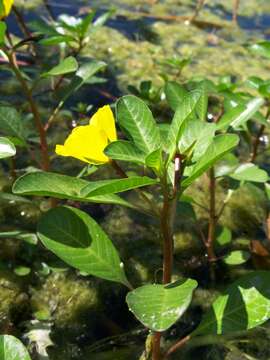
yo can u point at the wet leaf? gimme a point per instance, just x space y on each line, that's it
158 307
243 306
78 240
237 257
12 349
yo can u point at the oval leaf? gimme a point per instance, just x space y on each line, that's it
12 349
61 187
237 257
104 187
136 119
78 240
158 307
124 151
66 66
245 305
249 172
182 113
7 148
219 147
175 94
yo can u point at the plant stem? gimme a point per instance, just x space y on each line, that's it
212 217
256 144
177 346
37 119
167 220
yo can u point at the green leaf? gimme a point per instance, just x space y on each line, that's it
249 172
104 187
261 48
61 187
22 270
102 19
11 123
251 108
30 238
243 306
267 190
124 151
66 66
56 40
136 119
7 148
202 105
12 349
223 236
184 110
218 148
158 307
175 94
78 240
83 74
237 257
230 116
154 160
200 134
3 28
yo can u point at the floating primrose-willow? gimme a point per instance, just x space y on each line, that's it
172 157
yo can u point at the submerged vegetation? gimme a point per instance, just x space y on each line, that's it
134 180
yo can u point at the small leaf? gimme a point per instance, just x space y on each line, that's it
154 160
158 307
12 349
22 270
182 113
243 306
11 123
251 108
78 240
249 172
124 151
3 28
104 187
136 119
68 65
230 116
217 149
56 40
30 238
83 74
236 257
223 236
175 94
202 105
261 48
7 149
61 187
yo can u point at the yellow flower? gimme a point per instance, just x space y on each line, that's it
5 8
88 142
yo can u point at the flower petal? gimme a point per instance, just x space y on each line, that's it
85 143
104 119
